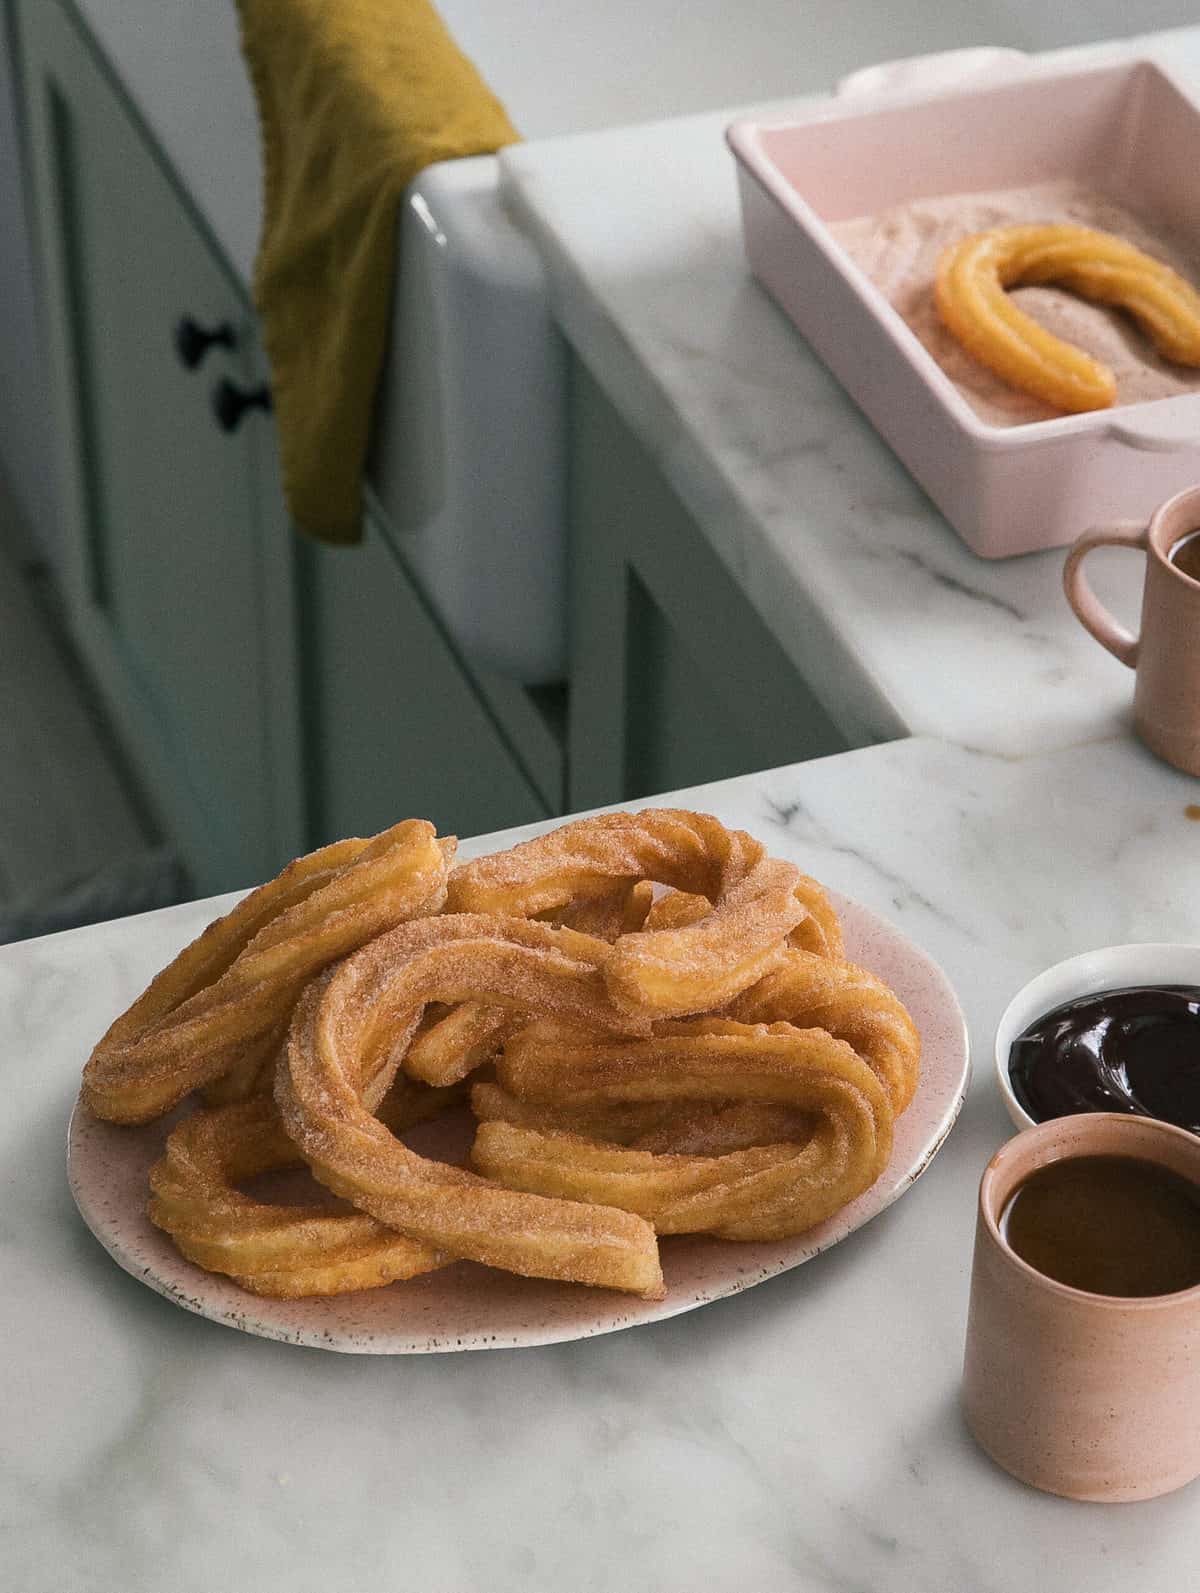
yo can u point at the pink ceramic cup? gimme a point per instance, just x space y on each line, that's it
1084 1395
1166 655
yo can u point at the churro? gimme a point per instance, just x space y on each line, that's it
694 966
761 1192
972 278
224 1002
288 1252
355 1024
848 1003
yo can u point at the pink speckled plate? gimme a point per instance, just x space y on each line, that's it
468 1307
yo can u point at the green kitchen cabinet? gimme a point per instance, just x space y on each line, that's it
167 564
675 679
401 727
268 695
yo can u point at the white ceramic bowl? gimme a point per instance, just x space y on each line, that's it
1109 968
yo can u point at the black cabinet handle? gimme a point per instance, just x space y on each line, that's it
230 402
193 341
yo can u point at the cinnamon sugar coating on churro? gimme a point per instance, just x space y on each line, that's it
762 1192
225 1000
662 972
339 1038
971 291
288 1252
848 1003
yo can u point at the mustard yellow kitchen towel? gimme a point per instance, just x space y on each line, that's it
355 97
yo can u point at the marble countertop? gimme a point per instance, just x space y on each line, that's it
898 628
803 1437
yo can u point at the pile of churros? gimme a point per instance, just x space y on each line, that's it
649 1018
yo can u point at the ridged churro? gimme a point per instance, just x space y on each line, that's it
760 1192
756 902
224 1002
288 1252
345 1028
850 1004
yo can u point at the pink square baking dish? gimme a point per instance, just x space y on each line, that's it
1129 131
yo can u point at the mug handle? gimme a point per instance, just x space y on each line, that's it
1089 610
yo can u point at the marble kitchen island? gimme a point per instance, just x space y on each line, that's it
802 1437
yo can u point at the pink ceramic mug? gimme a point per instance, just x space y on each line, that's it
1166 655
1086 1395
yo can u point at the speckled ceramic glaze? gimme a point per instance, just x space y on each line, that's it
1083 1395
468 1307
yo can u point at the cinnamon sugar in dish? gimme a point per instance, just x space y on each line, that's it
899 250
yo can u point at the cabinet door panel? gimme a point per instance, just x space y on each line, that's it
166 585
394 727
675 680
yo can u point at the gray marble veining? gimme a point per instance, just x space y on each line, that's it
802 1436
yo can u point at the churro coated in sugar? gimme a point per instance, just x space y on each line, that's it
899 250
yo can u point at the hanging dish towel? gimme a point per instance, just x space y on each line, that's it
355 97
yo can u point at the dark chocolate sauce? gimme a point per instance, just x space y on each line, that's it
1133 1050
1116 1225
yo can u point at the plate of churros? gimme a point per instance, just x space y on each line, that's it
392 1104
